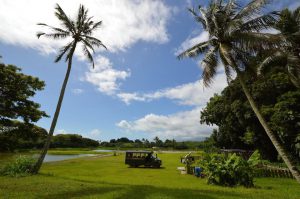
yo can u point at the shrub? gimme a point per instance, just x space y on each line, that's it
230 171
21 166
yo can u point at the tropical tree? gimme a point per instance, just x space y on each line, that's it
289 56
80 30
19 106
234 36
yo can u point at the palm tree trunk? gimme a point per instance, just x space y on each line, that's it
38 164
281 151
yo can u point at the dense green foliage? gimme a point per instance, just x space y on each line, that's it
279 101
109 178
72 141
29 136
22 136
16 89
19 167
229 171
124 143
287 57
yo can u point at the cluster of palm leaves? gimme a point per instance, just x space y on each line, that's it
80 30
236 36
289 55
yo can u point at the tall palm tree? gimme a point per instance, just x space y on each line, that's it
289 56
234 36
80 30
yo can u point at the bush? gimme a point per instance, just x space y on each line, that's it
230 171
21 166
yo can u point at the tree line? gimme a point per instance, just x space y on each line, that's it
156 142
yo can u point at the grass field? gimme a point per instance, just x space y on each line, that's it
109 177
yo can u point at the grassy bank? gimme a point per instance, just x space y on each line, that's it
109 177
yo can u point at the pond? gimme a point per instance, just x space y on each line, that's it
6 157
53 158
104 150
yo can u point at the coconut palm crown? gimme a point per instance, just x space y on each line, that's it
80 30
289 56
235 37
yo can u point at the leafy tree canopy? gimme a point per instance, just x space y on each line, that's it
279 102
16 89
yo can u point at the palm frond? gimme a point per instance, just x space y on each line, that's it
89 45
53 35
96 25
88 55
197 17
94 41
209 65
66 22
293 69
81 18
260 23
252 8
205 18
63 51
195 50
227 68
39 34
230 6
59 30
296 15
272 59
254 41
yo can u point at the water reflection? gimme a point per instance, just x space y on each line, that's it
53 158
7 157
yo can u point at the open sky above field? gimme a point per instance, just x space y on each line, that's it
138 88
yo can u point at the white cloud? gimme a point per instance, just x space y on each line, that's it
192 41
181 126
77 91
94 134
124 21
192 94
104 76
128 97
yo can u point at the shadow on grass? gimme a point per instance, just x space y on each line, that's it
143 192
146 167
83 192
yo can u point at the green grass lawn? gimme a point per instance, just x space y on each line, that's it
109 177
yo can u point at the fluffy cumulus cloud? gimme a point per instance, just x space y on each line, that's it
180 126
124 21
104 76
192 94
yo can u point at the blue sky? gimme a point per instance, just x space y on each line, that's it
138 88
